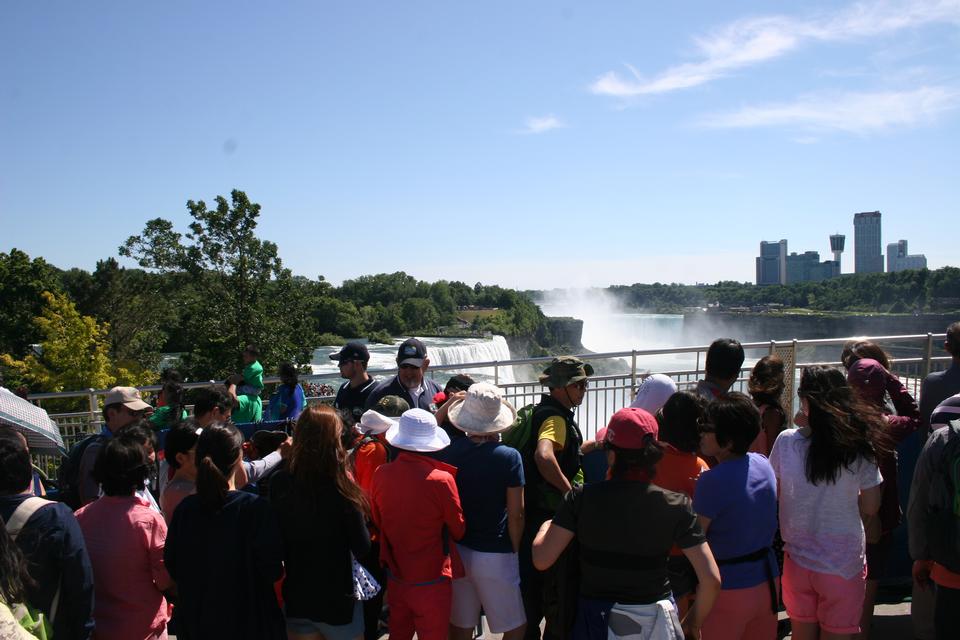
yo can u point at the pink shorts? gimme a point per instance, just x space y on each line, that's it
833 602
742 613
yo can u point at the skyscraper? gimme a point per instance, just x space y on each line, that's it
772 263
867 253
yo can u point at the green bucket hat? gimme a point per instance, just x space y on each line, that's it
565 370
392 406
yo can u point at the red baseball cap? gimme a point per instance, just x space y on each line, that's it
629 427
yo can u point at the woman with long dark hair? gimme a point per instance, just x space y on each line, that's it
765 386
625 527
322 515
828 479
13 580
224 550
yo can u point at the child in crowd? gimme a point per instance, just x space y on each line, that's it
416 509
171 409
828 476
224 550
765 386
322 516
252 373
178 452
736 506
873 383
142 434
288 401
125 540
490 481
679 470
367 453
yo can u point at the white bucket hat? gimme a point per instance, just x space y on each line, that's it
417 430
374 422
482 411
654 393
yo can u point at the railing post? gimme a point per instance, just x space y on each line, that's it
496 373
633 375
927 356
94 406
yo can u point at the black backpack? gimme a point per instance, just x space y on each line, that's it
943 511
68 475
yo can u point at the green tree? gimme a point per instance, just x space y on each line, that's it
73 353
240 292
22 281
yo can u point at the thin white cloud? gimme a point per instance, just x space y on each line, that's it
754 40
858 113
542 124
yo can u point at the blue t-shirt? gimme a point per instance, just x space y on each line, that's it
740 498
484 473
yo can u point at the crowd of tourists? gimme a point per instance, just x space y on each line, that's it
411 508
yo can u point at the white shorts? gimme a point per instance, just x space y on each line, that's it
492 583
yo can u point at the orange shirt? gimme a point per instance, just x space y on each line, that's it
679 471
367 458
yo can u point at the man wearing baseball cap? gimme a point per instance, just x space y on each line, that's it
352 395
121 406
551 465
409 383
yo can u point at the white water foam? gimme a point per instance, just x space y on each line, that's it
441 351
481 351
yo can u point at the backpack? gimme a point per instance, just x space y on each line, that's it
520 434
68 475
30 618
943 512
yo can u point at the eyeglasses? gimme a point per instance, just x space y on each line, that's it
582 385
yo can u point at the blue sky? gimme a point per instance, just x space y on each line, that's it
531 144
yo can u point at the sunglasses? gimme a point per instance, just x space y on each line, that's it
409 366
582 385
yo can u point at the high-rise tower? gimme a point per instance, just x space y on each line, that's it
836 245
867 255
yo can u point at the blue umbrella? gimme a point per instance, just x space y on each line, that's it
42 433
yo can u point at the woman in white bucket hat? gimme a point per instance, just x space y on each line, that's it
490 481
416 508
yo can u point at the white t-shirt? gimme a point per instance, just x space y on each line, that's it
820 524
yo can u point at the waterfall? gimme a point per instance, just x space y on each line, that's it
475 351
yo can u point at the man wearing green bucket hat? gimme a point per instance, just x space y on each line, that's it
551 465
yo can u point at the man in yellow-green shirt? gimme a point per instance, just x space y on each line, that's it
551 466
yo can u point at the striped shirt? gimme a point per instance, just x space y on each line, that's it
946 411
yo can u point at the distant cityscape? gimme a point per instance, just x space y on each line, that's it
776 266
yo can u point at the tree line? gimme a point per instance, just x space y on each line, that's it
917 291
204 293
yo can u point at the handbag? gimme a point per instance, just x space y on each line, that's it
365 586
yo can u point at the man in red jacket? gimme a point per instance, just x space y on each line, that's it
416 508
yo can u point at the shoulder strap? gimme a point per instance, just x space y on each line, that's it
26 509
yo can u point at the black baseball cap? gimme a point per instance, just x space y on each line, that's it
411 351
352 351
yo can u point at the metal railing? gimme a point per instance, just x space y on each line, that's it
913 357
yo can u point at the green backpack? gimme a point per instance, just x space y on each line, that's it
520 434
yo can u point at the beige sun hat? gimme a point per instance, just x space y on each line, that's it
482 411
